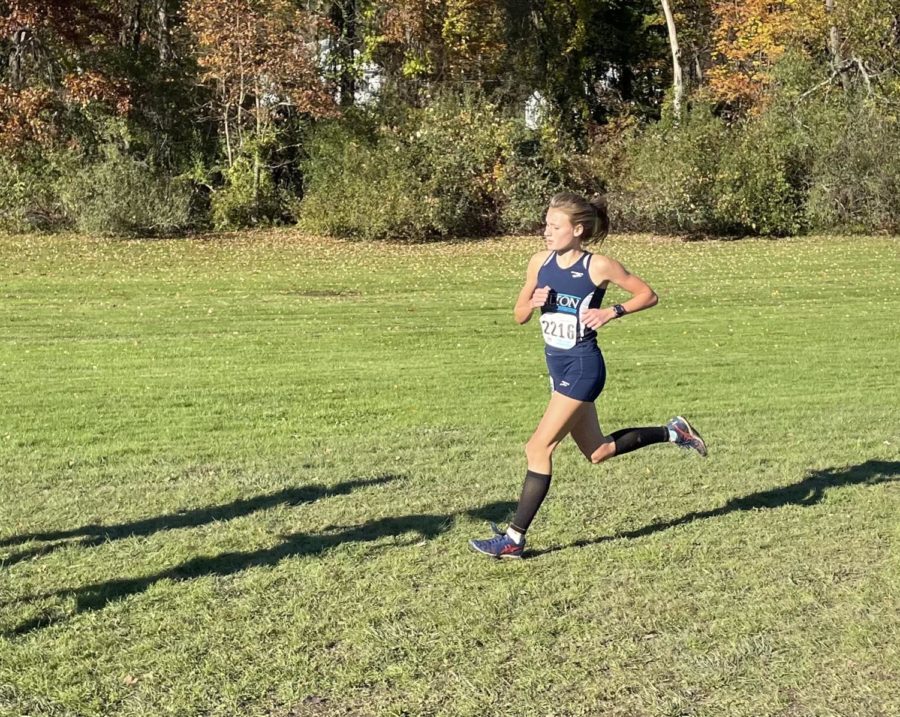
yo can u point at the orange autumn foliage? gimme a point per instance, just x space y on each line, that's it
83 88
63 43
25 117
77 23
254 50
750 36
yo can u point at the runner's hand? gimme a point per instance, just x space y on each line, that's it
595 318
539 297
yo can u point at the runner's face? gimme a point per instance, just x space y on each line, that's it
559 234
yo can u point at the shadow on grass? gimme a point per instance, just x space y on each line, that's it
809 491
406 530
93 534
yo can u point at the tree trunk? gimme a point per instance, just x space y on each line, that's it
162 21
20 38
241 97
677 77
131 30
228 148
626 83
257 159
343 15
834 48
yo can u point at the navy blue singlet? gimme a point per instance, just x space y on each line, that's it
574 361
571 294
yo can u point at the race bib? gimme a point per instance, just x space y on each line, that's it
560 330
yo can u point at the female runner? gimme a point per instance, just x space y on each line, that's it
567 283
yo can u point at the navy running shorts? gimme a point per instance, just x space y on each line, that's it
580 376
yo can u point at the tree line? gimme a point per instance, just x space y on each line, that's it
424 118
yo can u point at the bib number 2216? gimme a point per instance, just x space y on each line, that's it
560 330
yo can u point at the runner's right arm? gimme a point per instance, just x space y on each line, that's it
531 297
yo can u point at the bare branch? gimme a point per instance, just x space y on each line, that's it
865 75
843 67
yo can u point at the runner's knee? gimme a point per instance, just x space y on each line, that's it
538 449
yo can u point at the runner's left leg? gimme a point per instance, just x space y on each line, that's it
560 415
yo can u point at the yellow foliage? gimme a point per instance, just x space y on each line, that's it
751 36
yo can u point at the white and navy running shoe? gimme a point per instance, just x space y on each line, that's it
500 546
686 436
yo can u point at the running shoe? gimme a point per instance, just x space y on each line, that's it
687 436
500 546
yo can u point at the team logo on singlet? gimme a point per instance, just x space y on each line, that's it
567 303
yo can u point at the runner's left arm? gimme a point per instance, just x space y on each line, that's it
609 270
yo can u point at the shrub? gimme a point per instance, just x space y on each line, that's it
245 199
760 186
460 146
120 195
462 167
526 184
540 164
855 183
28 200
704 175
663 177
357 186
438 171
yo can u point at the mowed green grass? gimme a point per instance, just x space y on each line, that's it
238 476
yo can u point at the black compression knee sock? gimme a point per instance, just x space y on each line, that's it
533 493
630 439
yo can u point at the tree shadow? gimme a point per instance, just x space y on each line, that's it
94 534
406 529
809 491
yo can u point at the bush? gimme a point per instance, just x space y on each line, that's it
662 177
28 200
526 184
463 167
855 182
762 178
241 202
120 195
449 169
541 163
704 175
356 186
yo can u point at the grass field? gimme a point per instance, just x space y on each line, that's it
238 476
